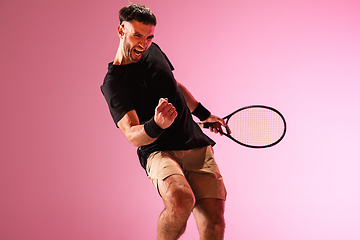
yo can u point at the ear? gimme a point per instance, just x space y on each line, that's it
121 31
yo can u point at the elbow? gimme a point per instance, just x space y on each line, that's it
135 144
137 141
137 136
133 141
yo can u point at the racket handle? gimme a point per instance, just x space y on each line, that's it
209 124
205 125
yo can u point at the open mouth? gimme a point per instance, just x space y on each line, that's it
138 53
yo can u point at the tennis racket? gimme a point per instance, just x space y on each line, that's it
253 126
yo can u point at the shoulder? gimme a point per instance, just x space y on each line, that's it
157 48
159 54
117 73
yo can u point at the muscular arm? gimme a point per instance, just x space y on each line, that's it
165 115
133 131
189 98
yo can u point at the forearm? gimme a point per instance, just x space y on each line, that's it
133 131
145 134
137 136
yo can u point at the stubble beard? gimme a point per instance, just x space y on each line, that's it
128 52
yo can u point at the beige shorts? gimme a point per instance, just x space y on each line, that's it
197 165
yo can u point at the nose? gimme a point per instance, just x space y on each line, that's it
144 42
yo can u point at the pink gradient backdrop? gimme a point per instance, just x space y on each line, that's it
67 173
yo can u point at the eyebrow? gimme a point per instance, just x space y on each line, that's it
140 35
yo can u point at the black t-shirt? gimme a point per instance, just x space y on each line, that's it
139 86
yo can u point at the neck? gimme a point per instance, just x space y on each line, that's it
119 56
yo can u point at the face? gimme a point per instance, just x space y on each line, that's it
137 38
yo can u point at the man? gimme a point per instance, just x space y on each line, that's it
153 111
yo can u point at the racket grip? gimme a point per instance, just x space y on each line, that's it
205 125
208 124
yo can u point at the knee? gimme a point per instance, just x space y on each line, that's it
217 224
220 225
180 201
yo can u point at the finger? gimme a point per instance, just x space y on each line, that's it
217 129
173 115
163 105
160 108
172 111
162 101
213 129
168 110
222 122
228 129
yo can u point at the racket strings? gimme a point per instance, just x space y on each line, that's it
256 126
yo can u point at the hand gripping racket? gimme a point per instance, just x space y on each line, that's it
253 126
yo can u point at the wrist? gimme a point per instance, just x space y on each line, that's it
201 112
152 129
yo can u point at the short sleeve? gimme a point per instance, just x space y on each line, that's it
167 59
117 98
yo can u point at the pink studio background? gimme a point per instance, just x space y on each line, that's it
67 173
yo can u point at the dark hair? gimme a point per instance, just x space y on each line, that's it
137 12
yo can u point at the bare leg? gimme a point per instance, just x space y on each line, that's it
209 216
179 202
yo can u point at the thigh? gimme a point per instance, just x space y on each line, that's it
207 186
204 175
160 166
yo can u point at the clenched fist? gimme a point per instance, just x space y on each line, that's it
165 113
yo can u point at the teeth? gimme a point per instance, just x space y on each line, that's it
138 54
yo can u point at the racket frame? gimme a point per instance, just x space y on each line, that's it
228 131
